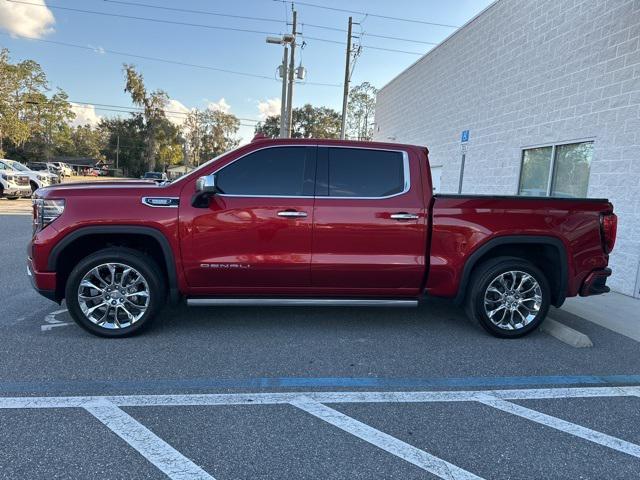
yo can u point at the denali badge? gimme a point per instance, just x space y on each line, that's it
225 265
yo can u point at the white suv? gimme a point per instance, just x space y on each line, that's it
65 169
36 179
13 184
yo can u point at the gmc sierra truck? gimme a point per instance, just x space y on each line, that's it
312 222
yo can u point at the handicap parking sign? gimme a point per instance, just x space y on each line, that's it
465 136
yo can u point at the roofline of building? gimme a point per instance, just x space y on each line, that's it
453 34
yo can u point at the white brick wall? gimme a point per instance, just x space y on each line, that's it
525 73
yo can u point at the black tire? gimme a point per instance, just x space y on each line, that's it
34 186
484 275
141 262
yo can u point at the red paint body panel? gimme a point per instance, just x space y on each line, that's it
245 243
344 247
462 225
356 243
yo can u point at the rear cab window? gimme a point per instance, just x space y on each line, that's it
361 173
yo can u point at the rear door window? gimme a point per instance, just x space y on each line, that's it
366 173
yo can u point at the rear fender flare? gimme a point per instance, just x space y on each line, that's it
479 252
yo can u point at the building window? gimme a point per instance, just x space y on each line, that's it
556 171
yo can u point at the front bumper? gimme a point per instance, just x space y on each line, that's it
17 191
43 282
595 283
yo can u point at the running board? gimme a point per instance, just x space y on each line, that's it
299 302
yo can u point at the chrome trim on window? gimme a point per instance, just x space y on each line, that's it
405 168
405 164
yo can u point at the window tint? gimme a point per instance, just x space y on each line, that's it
357 172
276 171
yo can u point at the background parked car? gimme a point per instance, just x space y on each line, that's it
160 176
36 179
13 184
45 167
65 169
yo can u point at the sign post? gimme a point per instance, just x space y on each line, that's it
464 139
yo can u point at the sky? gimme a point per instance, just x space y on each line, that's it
92 74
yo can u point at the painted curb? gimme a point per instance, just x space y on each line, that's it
566 334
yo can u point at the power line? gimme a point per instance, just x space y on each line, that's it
147 19
199 12
139 109
200 25
337 42
260 19
367 14
374 35
163 60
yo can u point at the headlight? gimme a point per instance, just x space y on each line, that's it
45 211
8 178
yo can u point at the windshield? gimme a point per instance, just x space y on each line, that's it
18 166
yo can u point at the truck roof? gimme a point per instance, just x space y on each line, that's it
332 142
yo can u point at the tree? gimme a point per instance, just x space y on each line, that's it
361 111
86 141
208 133
125 139
30 119
153 105
308 122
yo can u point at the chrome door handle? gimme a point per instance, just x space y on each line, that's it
292 214
404 216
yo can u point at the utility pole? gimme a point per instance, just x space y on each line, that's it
347 67
283 97
292 67
117 150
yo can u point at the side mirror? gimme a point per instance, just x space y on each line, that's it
206 184
205 188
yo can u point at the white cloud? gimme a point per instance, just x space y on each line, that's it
85 114
98 49
220 106
26 20
269 108
176 112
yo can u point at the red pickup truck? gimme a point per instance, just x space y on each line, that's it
312 222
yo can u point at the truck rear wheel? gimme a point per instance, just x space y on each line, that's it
508 296
115 292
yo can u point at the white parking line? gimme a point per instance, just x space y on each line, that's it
567 427
386 442
178 467
166 458
320 397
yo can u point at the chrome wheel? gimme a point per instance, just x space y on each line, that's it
512 300
113 295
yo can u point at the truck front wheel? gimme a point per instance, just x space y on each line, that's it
115 292
509 296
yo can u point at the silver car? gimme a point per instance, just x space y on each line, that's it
13 184
36 179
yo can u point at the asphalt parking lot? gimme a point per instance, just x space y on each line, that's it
248 393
